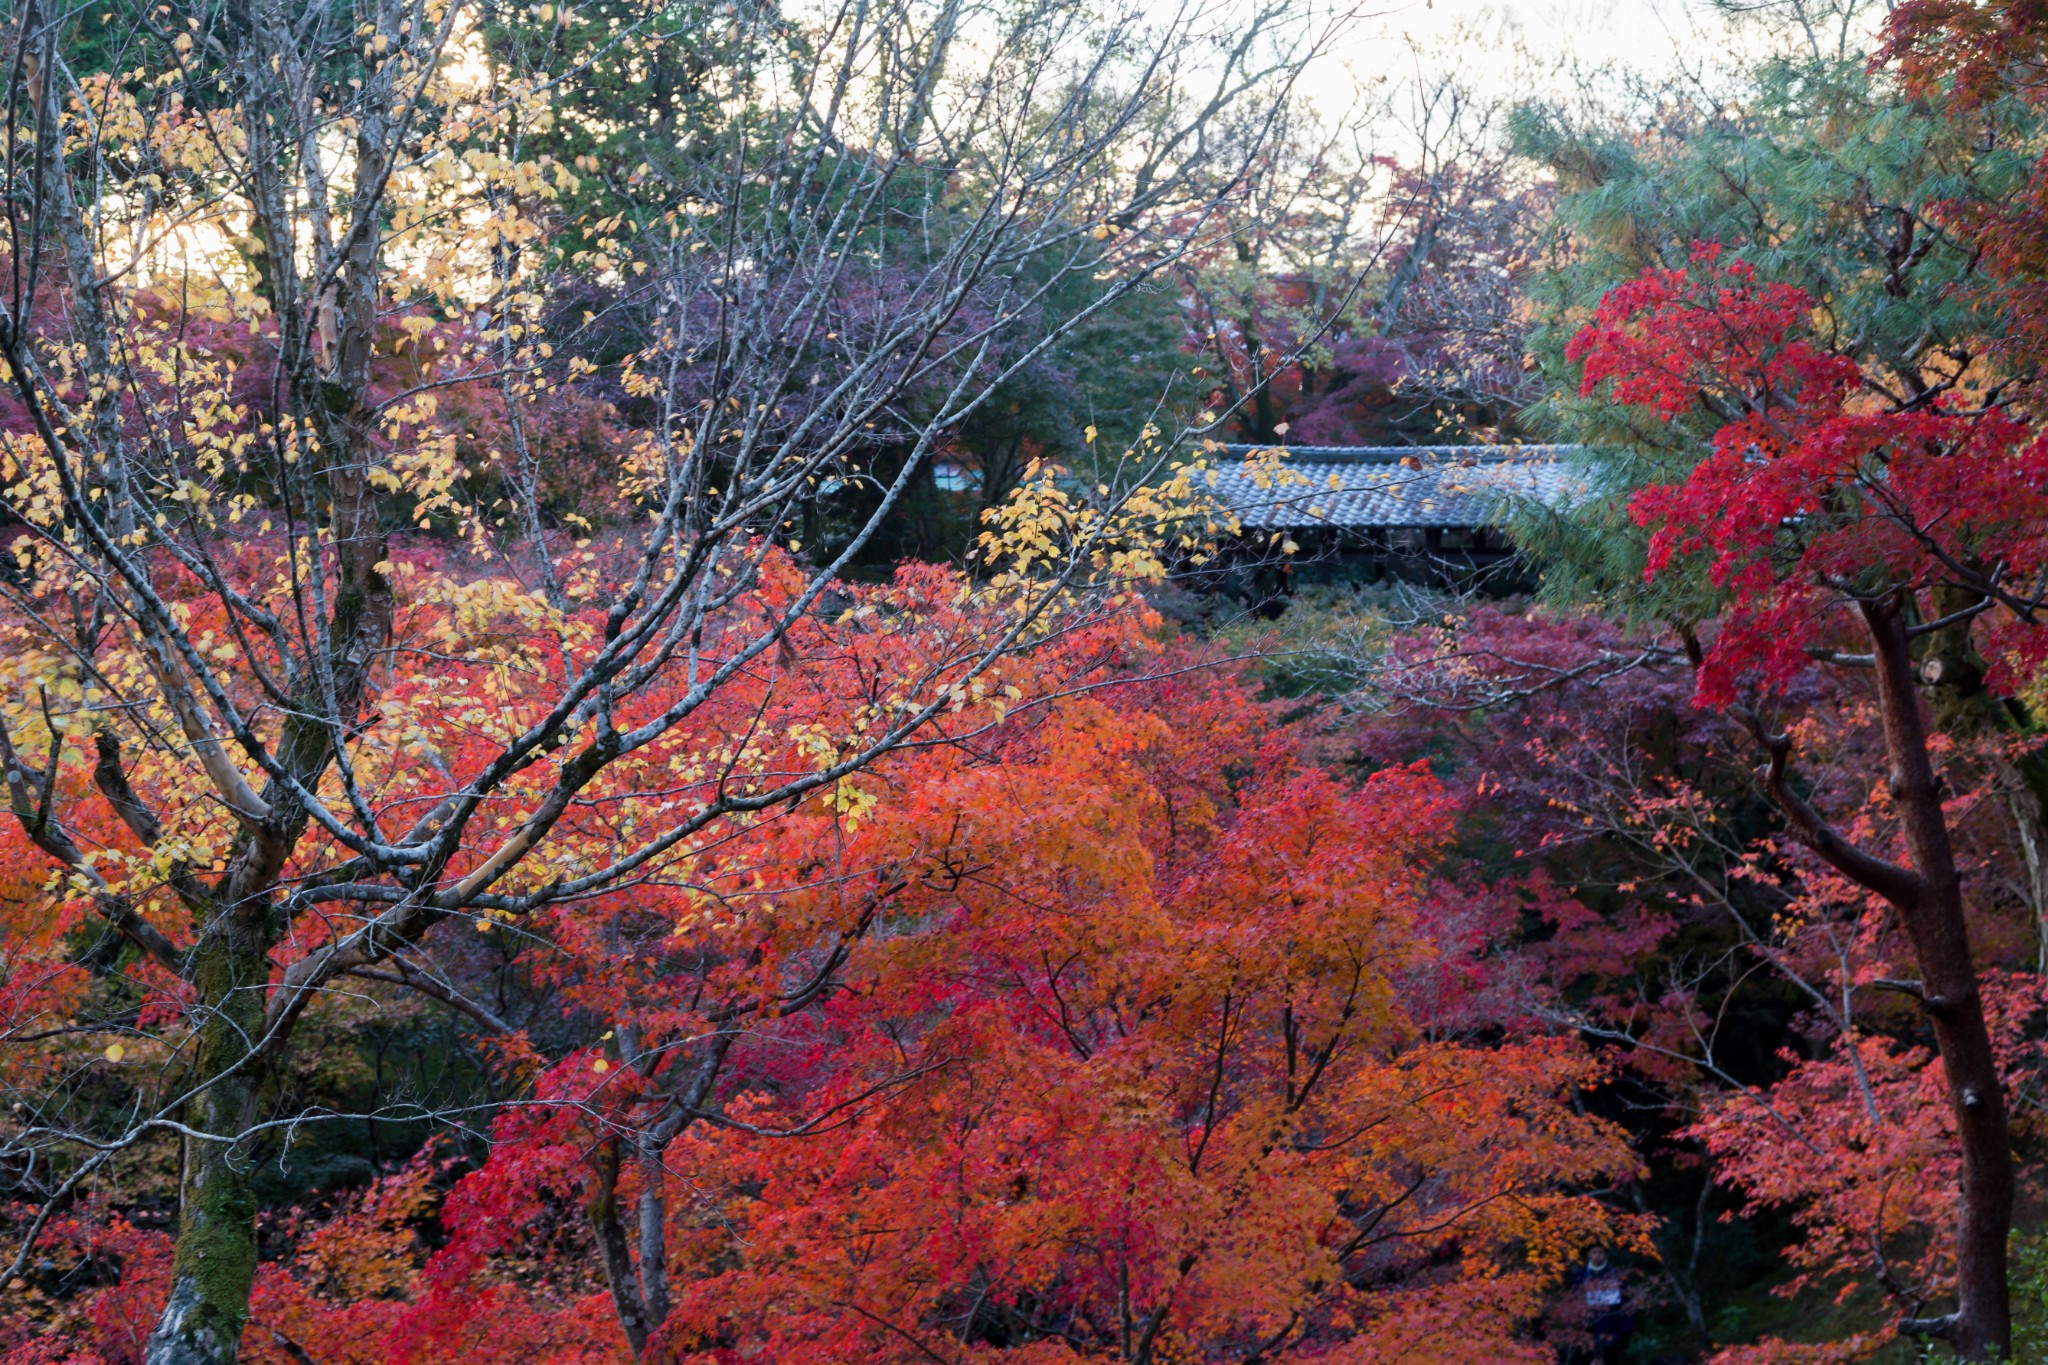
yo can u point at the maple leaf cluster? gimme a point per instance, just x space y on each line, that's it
1810 488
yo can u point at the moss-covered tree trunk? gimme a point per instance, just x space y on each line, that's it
214 1264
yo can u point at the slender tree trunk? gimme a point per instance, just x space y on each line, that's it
1981 1328
2030 822
653 1219
1682 1272
614 1248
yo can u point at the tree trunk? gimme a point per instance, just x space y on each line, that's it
1408 272
1981 1328
214 1263
614 1248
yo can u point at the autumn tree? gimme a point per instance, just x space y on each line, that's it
1101 1051
1811 457
288 691
1769 1060
1102 1020
1813 516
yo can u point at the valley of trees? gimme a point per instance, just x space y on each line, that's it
632 733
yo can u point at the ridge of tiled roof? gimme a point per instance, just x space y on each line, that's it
1369 487
1395 454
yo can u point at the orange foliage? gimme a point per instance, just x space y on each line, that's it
1134 1056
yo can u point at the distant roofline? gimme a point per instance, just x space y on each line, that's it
1395 454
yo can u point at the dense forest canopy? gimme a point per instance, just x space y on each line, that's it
634 730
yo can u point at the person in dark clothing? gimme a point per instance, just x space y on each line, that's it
1599 1280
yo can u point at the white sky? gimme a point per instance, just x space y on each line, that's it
1640 32
1538 49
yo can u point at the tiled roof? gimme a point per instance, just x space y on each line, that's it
1359 487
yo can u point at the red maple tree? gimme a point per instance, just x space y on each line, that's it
1832 524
